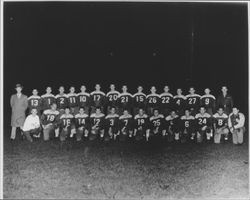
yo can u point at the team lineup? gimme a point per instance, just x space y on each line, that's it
122 116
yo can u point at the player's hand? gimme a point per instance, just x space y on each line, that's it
204 128
232 129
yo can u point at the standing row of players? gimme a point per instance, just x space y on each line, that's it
165 102
184 128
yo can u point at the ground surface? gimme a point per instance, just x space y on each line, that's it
125 171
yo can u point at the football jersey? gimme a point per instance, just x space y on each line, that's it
35 102
112 98
97 120
139 100
83 99
47 100
208 101
97 98
179 102
61 101
72 100
157 121
141 121
82 120
203 120
166 100
50 116
153 100
187 122
220 120
125 121
66 121
125 100
172 121
193 100
112 120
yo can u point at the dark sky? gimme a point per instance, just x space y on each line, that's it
126 43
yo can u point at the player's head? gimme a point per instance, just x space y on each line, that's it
98 87
83 88
124 88
112 110
140 88
67 110
173 113
220 110
19 88
61 89
98 110
72 89
166 88
112 87
224 89
48 90
179 91
235 111
207 91
187 112
35 92
53 106
125 112
34 111
141 111
156 112
191 90
153 89
202 110
81 110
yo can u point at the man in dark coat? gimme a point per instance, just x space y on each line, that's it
225 101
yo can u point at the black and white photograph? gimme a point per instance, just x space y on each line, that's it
125 100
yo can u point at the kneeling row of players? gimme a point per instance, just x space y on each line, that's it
173 127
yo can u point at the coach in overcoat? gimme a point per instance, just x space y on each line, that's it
19 104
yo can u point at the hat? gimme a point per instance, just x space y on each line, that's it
19 85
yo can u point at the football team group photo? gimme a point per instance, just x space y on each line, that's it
125 100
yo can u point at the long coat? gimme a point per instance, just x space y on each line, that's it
19 106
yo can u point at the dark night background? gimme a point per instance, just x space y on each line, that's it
78 43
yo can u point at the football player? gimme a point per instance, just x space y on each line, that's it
166 101
97 120
193 101
208 101
152 101
72 100
82 124
141 128
179 102
187 124
203 122
236 122
172 127
61 100
157 123
67 128
139 100
47 99
125 126
50 120
220 125
112 124
112 98
83 99
34 101
98 99
125 100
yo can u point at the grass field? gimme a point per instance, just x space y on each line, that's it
125 171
